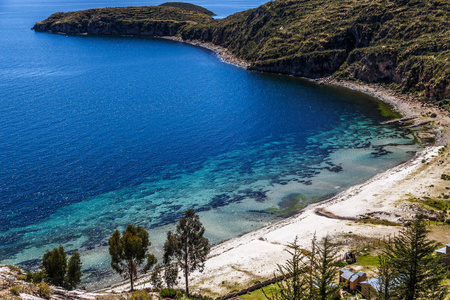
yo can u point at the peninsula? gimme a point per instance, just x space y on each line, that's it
402 43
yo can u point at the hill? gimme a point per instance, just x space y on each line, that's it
398 42
189 6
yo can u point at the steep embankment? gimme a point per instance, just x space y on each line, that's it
405 43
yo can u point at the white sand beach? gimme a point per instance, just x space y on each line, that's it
242 261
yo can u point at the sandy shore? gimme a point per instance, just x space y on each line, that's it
253 257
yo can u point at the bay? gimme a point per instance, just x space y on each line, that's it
96 133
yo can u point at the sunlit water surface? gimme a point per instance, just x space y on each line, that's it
96 133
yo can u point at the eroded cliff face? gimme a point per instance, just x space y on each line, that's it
150 28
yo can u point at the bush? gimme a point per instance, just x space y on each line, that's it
14 268
44 290
22 277
36 277
140 295
15 290
170 293
445 177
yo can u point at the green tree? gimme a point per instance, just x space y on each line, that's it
187 245
171 275
129 251
387 278
324 269
73 277
54 264
56 271
420 272
294 285
171 270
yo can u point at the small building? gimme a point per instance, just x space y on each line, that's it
350 257
350 279
370 287
444 254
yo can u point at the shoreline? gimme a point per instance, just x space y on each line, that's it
241 261
221 52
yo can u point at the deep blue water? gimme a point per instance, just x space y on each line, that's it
99 132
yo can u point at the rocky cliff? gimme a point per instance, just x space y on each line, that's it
405 43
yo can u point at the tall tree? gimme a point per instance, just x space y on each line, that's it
387 278
420 273
73 277
54 264
58 271
187 245
324 269
129 251
294 285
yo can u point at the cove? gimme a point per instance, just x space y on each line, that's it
101 132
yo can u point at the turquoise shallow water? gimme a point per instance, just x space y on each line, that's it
96 133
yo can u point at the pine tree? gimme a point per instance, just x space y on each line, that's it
387 278
187 245
129 251
294 285
54 264
419 271
73 277
325 269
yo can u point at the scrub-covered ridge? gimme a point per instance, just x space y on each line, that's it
406 43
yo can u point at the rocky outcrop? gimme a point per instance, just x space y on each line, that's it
311 65
97 27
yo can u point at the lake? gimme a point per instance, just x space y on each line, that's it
100 132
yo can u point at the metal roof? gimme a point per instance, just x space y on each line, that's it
374 282
442 250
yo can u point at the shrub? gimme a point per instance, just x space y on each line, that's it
22 277
445 177
15 290
14 268
170 293
36 277
44 290
140 295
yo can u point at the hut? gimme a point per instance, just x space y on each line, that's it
350 279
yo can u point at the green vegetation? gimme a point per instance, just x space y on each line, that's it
187 246
259 294
437 204
387 111
140 295
44 290
402 43
15 290
368 261
170 293
73 277
36 277
309 275
56 270
129 251
417 272
189 6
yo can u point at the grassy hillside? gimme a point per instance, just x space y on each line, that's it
400 42
189 6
